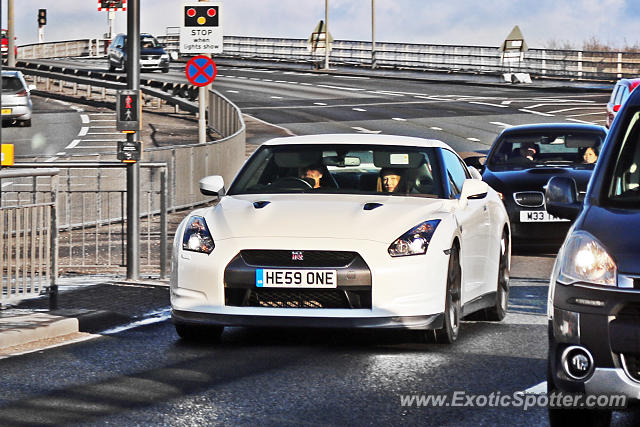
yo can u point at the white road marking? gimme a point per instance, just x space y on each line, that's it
506 102
564 110
504 125
352 77
524 110
538 388
306 84
319 103
364 130
85 118
83 131
435 128
383 92
232 91
243 78
255 79
275 97
580 121
72 144
148 319
399 119
489 104
359 109
474 139
351 89
280 81
288 131
267 80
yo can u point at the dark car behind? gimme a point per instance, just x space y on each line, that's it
559 151
152 54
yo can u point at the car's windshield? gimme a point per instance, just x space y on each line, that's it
146 42
527 150
625 182
343 169
11 84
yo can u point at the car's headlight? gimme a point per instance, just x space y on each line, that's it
414 241
197 237
584 259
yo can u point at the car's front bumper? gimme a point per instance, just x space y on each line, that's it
608 327
433 321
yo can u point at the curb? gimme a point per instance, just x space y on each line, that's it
24 329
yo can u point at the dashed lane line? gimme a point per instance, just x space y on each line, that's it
359 109
72 144
473 139
524 110
488 104
399 119
83 131
84 118
504 125
580 121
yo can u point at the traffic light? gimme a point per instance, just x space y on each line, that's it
42 17
128 111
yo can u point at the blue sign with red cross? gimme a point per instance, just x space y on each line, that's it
201 70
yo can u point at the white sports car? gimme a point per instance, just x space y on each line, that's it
347 231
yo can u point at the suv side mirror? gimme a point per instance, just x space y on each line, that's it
212 186
562 198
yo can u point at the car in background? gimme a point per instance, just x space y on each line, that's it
152 54
283 249
619 95
593 303
521 161
16 99
5 44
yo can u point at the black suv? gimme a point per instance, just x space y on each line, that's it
594 293
152 54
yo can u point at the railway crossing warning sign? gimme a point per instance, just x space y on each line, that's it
201 29
112 5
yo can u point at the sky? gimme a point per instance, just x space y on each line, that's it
459 22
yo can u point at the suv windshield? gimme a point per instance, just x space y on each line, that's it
527 150
347 169
625 182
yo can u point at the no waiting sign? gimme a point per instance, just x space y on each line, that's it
201 71
201 27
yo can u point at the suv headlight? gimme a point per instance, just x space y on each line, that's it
197 237
584 259
414 241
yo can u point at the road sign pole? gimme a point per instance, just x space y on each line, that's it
11 54
326 34
202 111
133 169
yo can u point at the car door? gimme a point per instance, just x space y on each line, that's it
474 225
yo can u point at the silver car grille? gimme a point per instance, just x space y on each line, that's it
529 199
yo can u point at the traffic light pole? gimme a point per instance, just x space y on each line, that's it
133 169
11 54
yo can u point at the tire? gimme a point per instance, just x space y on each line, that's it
26 123
165 70
499 310
569 416
452 307
195 333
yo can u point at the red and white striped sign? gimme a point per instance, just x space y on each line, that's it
112 5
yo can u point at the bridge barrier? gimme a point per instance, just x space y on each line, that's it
558 63
29 237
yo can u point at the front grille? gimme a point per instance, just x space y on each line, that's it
150 56
298 298
529 199
632 365
280 258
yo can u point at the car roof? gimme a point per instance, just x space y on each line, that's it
357 139
554 127
9 73
630 83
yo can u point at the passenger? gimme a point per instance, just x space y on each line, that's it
590 155
390 180
312 174
528 151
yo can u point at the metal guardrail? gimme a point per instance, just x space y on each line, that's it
29 238
426 57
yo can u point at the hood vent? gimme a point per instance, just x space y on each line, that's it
371 206
261 204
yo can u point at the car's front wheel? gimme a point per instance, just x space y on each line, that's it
453 307
499 310
198 333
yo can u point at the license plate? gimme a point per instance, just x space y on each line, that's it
6 111
539 216
321 279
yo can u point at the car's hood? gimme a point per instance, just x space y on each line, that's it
618 232
321 216
533 179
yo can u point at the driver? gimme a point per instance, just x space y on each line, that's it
390 179
312 173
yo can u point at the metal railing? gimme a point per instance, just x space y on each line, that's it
426 57
29 237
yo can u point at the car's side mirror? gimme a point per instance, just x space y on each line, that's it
473 189
475 173
212 186
561 197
